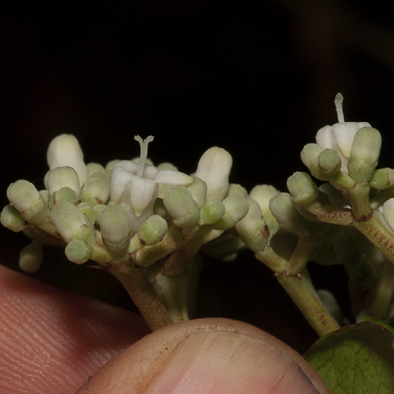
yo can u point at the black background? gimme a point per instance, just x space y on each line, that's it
255 77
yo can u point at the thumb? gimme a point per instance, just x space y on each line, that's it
207 356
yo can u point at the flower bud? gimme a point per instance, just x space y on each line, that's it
96 189
252 227
198 189
78 251
24 196
30 257
61 177
364 154
214 169
302 189
153 230
89 211
236 208
64 150
115 228
263 195
70 222
211 212
63 194
95 168
288 217
12 219
383 178
329 162
180 205
237 189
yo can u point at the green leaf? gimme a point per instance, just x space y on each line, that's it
356 359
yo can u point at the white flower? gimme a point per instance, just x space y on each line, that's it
340 136
136 183
65 151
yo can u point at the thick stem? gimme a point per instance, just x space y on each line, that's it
379 234
301 291
384 291
144 297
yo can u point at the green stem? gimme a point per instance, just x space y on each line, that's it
178 293
299 286
144 297
384 291
359 201
301 291
300 256
379 234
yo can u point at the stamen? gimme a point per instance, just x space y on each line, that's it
338 106
144 152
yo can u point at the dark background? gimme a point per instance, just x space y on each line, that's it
255 77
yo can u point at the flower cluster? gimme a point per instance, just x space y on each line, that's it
148 224
115 214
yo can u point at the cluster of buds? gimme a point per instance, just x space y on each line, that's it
131 217
126 213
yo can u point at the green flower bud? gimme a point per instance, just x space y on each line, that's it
95 168
383 178
28 201
115 228
111 164
96 189
288 217
310 154
61 177
214 169
303 190
236 208
322 163
252 228
70 222
78 251
364 154
211 212
180 205
329 162
89 211
30 257
12 219
63 194
198 189
153 230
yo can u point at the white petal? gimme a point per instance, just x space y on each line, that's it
324 137
344 135
119 180
142 192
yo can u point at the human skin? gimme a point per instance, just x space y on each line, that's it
52 341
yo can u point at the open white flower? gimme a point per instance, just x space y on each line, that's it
136 183
340 136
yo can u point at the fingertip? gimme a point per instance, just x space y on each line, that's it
205 356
